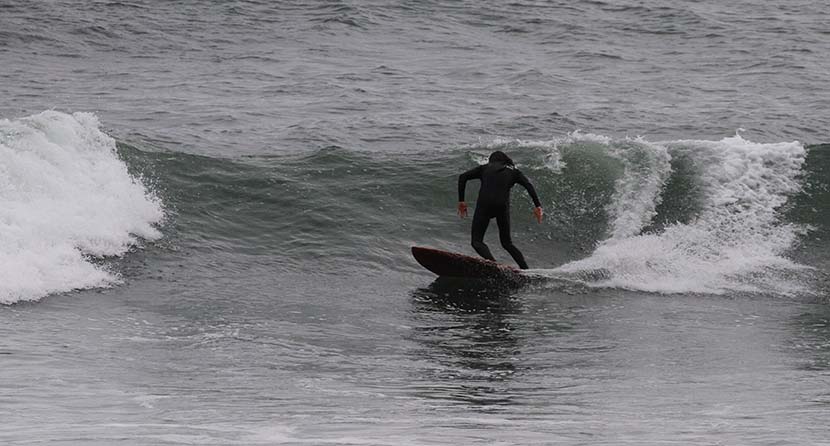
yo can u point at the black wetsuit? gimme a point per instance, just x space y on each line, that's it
494 202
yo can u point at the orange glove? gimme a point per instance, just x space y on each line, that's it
462 209
538 213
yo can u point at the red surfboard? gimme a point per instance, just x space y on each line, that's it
450 264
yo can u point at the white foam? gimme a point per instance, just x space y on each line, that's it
65 199
736 243
646 167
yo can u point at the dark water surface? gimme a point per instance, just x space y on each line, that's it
206 210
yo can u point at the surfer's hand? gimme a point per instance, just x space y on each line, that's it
538 213
462 209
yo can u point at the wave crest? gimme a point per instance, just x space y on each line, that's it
67 199
735 242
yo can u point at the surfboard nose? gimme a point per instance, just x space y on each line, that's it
450 264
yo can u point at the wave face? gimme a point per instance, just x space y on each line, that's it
715 226
67 201
685 216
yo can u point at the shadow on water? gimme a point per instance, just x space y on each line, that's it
464 333
468 296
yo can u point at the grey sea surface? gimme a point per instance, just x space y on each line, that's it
219 252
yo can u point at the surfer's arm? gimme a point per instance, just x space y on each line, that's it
462 180
522 179
537 211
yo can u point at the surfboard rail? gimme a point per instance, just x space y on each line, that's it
451 264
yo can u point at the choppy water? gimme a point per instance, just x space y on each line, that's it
206 210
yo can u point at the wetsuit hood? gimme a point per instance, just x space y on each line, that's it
499 157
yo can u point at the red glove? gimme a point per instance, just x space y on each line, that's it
538 213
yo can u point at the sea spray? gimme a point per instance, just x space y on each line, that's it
65 199
735 243
646 167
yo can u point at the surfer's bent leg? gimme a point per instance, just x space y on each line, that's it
503 220
480 222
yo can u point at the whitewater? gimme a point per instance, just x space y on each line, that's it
66 200
736 241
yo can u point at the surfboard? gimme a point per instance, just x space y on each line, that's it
450 264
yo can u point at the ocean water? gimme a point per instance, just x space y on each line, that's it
206 209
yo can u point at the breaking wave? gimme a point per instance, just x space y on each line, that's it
66 201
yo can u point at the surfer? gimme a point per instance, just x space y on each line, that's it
497 177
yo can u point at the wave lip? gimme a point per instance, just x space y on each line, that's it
66 199
736 242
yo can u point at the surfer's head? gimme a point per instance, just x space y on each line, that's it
500 157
